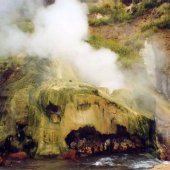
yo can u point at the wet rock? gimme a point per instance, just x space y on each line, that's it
162 152
1 160
73 145
95 149
128 142
101 148
71 154
107 143
88 150
123 146
18 156
165 153
81 143
168 154
115 146
6 162
137 141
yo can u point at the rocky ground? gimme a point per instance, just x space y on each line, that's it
161 167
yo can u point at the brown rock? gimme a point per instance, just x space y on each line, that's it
7 162
123 146
129 143
101 147
95 149
168 151
73 145
168 157
116 146
1 161
18 155
162 156
71 154
89 150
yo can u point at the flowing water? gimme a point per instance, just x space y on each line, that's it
100 162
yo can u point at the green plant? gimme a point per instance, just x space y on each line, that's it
162 19
99 22
126 54
104 10
119 14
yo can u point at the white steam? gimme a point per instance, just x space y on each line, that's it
60 32
155 61
149 57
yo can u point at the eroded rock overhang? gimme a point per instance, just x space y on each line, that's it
62 109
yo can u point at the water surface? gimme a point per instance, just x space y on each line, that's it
104 162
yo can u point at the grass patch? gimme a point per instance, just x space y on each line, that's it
99 22
127 55
114 14
161 23
141 8
161 20
103 10
119 14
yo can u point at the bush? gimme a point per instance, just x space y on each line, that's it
115 14
140 8
164 9
163 22
119 14
162 19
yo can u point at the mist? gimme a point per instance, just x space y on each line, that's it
60 33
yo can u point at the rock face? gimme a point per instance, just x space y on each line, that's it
42 112
161 43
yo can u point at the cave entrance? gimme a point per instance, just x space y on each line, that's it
87 140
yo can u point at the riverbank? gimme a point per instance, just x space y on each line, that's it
97 162
161 167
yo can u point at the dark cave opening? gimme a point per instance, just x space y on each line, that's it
52 108
87 140
19 142
54 112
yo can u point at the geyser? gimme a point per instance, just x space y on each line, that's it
60 31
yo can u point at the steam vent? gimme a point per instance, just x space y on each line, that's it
85 84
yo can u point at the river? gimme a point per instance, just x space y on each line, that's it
100 162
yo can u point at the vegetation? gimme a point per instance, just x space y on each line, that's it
161 18
127 55
115 14
156 15
120 13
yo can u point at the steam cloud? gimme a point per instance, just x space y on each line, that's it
60 32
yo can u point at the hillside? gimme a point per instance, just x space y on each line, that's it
126 28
